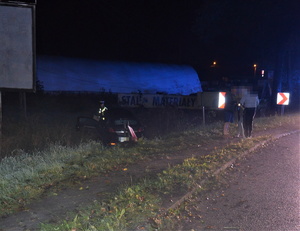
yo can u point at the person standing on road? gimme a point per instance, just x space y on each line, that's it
229 110
250 102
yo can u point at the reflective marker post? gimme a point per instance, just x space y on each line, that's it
203 114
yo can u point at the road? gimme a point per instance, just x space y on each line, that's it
262 193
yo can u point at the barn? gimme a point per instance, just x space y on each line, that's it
74 74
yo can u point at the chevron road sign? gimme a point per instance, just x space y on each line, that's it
283 98
221 103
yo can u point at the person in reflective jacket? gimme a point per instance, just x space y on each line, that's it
102 111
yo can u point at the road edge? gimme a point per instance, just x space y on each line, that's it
225 166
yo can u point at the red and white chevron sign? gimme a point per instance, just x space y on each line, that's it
221 103
283 98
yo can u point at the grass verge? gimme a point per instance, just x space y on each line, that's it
133 205
28 176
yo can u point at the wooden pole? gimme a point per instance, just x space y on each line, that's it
203 114
23 105
0 123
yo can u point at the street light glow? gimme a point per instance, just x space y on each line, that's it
254 66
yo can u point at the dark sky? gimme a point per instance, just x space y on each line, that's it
122 30
235 33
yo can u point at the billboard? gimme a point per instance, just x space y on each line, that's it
17 50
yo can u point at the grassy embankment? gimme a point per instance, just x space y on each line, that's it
27 176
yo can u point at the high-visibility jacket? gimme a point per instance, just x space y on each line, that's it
102 112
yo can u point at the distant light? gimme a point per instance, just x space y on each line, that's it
214 64
254 68
262 73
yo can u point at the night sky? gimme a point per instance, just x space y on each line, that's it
235 33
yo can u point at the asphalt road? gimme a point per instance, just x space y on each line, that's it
262 193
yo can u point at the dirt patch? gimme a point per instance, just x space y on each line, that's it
52 208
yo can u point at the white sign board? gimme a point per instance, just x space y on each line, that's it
17 49
158 101
209 100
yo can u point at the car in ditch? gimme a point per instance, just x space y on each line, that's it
120 126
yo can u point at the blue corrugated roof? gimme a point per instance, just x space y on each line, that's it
71 74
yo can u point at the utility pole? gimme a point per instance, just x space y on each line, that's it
0 114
